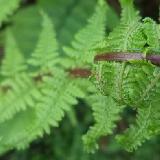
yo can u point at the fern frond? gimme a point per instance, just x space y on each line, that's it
147 126
19 131
13 61
152 32
85 39
45 54
74 14
128 36
59 94
106 112
142 91
129 13
132 84
7 8
21 92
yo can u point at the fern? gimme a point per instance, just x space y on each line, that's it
72 11
68 21
39 104
38 86
132 84
145 128
14 63
50 109
47 45
106 112
81 51
152 30
22 94
13 72
147 103
128 36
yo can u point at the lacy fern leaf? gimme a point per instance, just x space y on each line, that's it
51 107
13 62
106 112
81 50
20 93
128 36
39 92
146 127
147 102
19 131
45 54
133 84
152 31
36 92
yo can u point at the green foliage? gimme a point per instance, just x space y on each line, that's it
133 84
152 30
13 62
29 97
128 36
39 81
7 8
81 53
47 45
106 112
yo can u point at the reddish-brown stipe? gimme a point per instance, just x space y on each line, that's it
119 57
80 72
122 57
154 59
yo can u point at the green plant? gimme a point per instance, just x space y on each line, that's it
38 89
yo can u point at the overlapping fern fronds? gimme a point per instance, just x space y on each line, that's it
36 91
29 100
133 84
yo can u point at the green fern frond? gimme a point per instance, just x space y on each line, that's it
111 79
81 51
132 84
20 93
35 96
74 14
45 54
19 131
146 127
129 13
7 8
142 87
152 32
13 61
106 112
51 107
128 36
144 94
68 17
